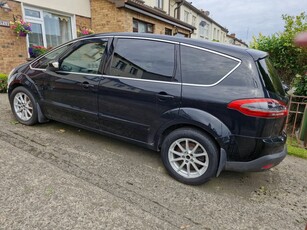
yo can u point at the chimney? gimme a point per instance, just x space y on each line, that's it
205 12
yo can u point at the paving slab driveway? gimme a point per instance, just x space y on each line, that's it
55 176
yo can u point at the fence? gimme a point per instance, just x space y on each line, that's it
296 132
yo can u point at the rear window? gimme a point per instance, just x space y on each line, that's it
270 77
203 67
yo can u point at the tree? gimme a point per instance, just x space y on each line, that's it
288 59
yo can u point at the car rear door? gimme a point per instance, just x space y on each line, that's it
139 89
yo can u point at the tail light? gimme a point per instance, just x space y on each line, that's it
262 107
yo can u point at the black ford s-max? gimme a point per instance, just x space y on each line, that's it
205 106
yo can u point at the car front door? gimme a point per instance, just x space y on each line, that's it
139 89
70 89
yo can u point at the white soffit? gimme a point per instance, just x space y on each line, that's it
78 7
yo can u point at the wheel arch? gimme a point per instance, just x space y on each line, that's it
199 120
24 81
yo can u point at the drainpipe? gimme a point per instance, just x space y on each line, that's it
178 7
169 8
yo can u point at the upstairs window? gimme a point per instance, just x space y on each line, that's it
193 21
202 25
206 31
186 16
214 33
159 4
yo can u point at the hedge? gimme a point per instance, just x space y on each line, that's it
3 83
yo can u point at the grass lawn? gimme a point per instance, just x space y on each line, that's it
296 151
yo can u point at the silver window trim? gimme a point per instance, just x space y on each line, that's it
217 53
147 80
77 73
144 38
211 51
119 77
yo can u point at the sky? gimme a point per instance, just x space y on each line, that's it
246 18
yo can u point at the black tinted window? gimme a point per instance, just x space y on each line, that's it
85 59
270 77
44 61
143 59
203 67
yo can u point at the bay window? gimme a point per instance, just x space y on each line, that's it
48 29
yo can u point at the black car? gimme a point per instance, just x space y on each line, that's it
207 107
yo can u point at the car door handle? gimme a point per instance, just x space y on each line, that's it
87 85
162 96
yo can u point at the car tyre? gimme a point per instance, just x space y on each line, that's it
24 106
190 156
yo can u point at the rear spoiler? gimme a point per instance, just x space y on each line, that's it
257 54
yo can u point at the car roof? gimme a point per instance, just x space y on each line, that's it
216 46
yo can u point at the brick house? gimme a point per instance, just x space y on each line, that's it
57 21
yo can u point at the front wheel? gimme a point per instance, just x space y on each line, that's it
24 106
190 156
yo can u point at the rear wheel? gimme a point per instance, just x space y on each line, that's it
190 156
24 106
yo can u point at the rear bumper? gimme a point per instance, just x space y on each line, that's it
257 164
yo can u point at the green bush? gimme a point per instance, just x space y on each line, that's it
3 83
287 58
300 84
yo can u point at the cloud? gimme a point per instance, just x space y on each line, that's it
246 18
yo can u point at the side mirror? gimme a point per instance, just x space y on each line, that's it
53 66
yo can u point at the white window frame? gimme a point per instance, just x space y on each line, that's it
159 4
41 21
201 31
186 16
214 33
35 20
194 18
206 30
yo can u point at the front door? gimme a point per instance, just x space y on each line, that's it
70 93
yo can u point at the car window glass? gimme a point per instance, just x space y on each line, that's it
270 77
44 61
203 67
143 59
85 59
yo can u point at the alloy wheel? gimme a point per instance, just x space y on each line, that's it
23 106
188 158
